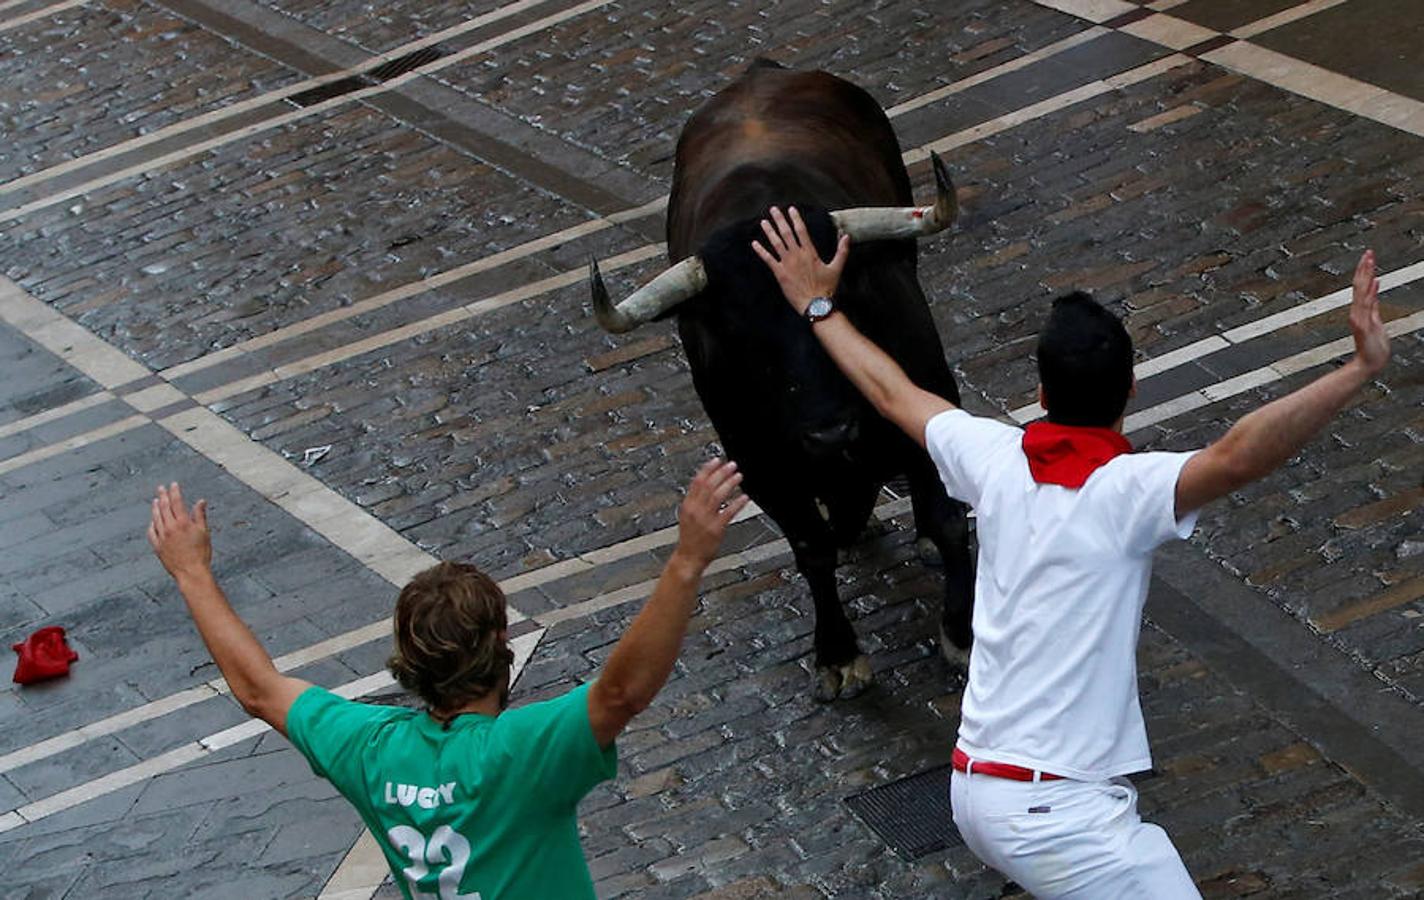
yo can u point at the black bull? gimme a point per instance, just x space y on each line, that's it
813 452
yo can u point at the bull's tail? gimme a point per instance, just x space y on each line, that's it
761 62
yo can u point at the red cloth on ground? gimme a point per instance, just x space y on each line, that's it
43 655
1068 454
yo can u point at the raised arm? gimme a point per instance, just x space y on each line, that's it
182 543
804 276
1267 437
644 656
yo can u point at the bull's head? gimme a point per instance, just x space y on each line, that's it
687 279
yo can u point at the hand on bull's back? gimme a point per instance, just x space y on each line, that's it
793 259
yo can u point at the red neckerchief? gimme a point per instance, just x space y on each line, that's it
1068 454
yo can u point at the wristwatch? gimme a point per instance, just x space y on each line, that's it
819 308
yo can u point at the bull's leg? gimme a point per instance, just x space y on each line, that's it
945 523
841 669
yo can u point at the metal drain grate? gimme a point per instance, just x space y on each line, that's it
313 96
408 63
912 815
391 68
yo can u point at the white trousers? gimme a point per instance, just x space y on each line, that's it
1068 839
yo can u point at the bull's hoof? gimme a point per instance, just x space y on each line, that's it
843 682
957 657
929 553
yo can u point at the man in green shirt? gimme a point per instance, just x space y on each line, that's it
466 800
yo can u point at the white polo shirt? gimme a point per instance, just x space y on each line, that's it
1063 576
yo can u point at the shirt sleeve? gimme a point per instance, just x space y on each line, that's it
330 732
554 742
1146 502
965 449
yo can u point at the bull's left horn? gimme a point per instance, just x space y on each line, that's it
878 223
676 284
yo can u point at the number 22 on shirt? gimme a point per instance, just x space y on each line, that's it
422 853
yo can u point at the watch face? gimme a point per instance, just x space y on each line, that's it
819 309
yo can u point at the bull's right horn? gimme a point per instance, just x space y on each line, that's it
676 284
873 223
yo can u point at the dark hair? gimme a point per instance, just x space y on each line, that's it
1084 363
451 646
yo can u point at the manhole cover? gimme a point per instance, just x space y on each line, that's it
912 815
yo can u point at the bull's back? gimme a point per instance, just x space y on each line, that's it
775 133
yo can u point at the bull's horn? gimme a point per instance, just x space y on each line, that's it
889 222
676 284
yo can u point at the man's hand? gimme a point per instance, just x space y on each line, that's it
794 261
180 538
1371 340
707 511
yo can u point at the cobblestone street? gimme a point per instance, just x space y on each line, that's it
324 262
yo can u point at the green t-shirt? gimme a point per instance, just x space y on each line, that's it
484 809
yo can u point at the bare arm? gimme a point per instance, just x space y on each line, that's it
182 543
644 656
803 276
1263 440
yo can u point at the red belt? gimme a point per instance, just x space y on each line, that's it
961 762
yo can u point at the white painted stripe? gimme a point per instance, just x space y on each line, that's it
523 648
735 560
413 329
1003 68
1046 107
1169 31
201 147
1250 331
1283 368
1098 11
1284 17
58 412
1321 85
107 784
71 342
270 97
104 432
360 873
575 276
411 289
38 14
1181 356
70 739
521 251
326 512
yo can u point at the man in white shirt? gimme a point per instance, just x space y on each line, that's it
1068 518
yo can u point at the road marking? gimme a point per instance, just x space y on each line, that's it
576 276
1096 11
57 412
1284 17
371 632
1281 368
1003 68
1243 333
1276 69
144 770
270 97
1046 107
38 14
103 432
221 140
360 873
1322 85
752 554
412 329
331 515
